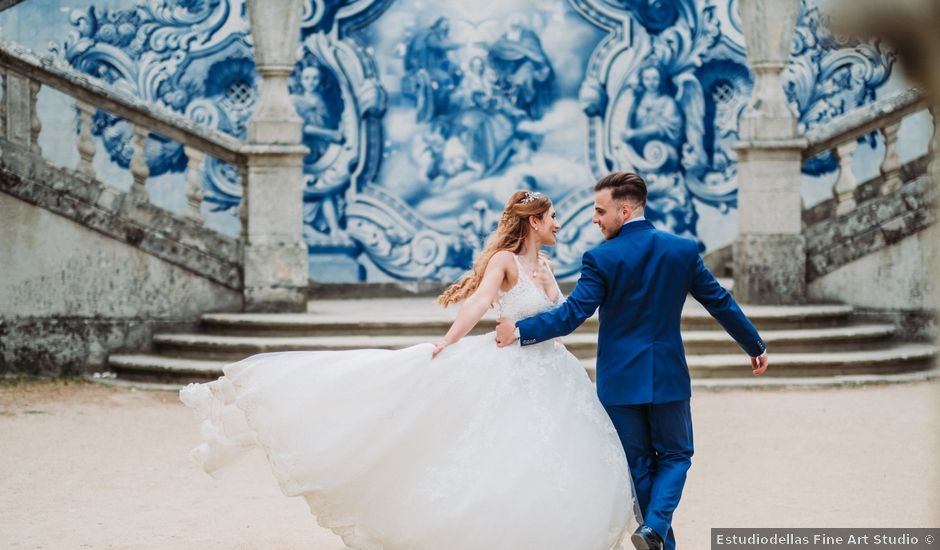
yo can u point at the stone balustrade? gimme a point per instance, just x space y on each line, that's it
23 74
842 134
7 4
272 255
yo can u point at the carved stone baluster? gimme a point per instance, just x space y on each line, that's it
35 125
3 102
243 205
86 144
934 144
194 183
891 165
844 188
139 168
933 169
16 97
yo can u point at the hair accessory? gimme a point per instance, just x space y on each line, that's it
530 196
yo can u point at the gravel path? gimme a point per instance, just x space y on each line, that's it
88 466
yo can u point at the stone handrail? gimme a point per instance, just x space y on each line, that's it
841 137
87 89
272 253
24 73
7 4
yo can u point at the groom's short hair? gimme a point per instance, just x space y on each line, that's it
624 187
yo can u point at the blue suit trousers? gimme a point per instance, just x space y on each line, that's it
657 439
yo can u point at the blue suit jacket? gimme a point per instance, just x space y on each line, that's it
640 280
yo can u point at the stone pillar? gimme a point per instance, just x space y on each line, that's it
770 251
19 110
275 254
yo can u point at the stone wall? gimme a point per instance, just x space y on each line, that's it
70 295
896 279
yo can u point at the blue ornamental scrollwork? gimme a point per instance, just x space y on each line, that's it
421 118
828 75
191 56
469 105
648 108
664 92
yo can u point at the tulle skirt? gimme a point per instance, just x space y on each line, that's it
481 448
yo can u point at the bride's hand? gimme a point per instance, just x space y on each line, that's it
438 347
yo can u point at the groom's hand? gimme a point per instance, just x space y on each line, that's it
505 332
759 364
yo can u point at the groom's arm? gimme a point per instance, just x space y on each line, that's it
724 309
584 300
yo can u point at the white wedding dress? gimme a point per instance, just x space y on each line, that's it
481 448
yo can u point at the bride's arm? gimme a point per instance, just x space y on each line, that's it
473 308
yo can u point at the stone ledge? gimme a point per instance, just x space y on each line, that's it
698 384
872 226
57 74
7 4
838 381
865 119
865 192
911 325
63 346
111 212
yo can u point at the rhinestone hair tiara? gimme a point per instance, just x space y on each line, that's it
529 197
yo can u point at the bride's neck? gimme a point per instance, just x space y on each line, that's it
530 251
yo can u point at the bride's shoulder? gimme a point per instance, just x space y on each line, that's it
503 261
503 258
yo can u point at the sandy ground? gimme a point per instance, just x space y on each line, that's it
87 466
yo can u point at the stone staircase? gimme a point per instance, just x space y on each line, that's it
812 345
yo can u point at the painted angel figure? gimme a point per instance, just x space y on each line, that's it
431 74
320 123
664 136
524 65
325 188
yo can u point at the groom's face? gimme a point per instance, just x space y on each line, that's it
609 215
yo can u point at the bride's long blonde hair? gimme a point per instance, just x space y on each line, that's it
511 232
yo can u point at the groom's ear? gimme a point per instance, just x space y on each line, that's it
626 210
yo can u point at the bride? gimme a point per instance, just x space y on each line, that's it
459 445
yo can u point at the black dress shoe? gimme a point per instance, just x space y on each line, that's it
646 539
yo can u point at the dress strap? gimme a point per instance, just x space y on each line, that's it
520 267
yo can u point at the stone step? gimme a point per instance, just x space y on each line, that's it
164 369
805 382
896 364
421 316
414 289
901 358
703 384
581 344
828 339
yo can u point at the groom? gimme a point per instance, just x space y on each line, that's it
640 277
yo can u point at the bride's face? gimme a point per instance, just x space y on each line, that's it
547 227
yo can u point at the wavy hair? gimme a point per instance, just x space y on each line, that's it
511 233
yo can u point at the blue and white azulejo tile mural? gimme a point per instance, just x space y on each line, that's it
423 116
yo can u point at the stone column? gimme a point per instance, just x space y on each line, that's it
19 110
770 251
275 254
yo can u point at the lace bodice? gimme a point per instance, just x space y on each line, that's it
525 299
